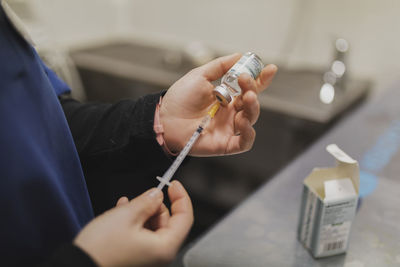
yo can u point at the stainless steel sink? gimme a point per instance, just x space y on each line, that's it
297 93
128 70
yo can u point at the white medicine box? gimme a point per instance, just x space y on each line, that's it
328 206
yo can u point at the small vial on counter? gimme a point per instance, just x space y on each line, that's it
229 88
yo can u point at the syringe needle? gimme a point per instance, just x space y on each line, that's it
164 180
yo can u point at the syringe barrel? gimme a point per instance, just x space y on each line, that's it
182 155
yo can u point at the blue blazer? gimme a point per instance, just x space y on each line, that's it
44 201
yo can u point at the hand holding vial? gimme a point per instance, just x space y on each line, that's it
189 99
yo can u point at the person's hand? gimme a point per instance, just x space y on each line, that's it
140 232
188 100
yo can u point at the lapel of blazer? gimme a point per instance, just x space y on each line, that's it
16 22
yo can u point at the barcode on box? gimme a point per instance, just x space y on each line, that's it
333 245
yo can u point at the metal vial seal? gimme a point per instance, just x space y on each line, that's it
229 88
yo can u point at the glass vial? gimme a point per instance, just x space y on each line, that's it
229 88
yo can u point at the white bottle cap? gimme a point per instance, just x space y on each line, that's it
222 94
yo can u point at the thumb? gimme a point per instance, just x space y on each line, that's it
216 68
146 205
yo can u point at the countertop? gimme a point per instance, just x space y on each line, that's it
261 231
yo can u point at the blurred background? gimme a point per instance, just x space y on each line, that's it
332 57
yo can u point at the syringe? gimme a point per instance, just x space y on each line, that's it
164 180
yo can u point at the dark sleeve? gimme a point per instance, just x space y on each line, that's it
69 256
119 153
100 128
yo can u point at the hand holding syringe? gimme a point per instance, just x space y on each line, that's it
164 180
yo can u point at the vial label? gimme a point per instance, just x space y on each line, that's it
249 65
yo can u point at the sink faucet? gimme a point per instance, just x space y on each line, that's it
339 64
335 77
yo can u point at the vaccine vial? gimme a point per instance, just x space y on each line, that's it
229 88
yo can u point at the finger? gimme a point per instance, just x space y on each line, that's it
122 201
251 107
247 83
160 219
216 68
146 205
181 218
238 103
245 140
265 77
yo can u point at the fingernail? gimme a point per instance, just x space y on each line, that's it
177 184
247 76
273 67
249 82
155 193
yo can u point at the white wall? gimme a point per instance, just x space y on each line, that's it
296 32
371 27
225 25
64 23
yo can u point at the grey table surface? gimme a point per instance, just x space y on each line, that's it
262 230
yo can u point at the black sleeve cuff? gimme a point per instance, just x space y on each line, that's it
99 128
142 119
69 256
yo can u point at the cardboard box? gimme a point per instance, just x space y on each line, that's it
329 205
